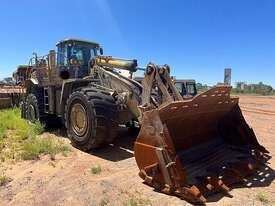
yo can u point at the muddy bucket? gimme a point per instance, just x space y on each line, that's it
197 147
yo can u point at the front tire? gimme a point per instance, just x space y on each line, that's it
91 118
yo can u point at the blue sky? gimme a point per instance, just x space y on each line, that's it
197 38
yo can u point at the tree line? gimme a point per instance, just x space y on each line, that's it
244 88
259 89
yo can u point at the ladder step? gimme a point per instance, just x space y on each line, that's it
46 100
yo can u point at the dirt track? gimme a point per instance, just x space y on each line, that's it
69 181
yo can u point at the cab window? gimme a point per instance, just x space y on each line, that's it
62 55
82 53
191 88
181 88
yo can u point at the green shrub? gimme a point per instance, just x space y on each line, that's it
11 120
253 89
104 202
36 146
19 139
96 169
4 179
2 133
137 201
262 198
38 128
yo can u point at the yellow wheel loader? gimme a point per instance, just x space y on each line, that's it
190 148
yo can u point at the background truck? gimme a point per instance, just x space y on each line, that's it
186 87
12 91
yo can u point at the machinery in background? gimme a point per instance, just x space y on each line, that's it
12 93
186 87
21 74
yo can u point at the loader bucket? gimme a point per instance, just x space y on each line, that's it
197 147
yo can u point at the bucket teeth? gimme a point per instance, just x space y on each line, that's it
192 194
212 184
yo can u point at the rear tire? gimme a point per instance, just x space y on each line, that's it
32 109
91 118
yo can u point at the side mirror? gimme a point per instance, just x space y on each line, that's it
101 51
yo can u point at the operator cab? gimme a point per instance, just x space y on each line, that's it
74 55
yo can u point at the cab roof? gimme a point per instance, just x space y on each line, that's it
77 40
22 66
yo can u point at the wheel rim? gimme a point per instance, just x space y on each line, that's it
32 116
78 119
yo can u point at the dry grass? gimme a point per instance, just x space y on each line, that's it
104 202
36 146
137 201
19 139
263 198
4 179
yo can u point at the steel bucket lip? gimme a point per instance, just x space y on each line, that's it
216 99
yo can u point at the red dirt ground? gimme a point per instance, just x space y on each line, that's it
69 181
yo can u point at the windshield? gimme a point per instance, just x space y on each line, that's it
82 53
191 88
181 88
